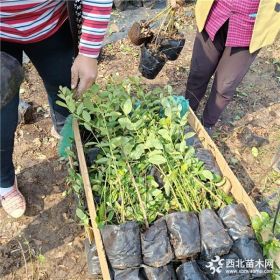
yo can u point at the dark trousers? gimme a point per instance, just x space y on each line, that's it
52 58
230 65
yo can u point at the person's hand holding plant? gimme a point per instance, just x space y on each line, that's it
175 4
83 73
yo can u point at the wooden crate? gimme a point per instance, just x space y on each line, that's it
235 187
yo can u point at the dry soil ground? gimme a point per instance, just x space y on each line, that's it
47 243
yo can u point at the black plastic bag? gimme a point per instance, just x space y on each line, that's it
209 161
190 271
230 270
249 249
92 259
184 234
91 155
157 176
136 3
122 245
128 274
194 140
156 248
149 3
150 63
11 78
172 47
237 221
223 268
160 273
215 241
121 5
204 266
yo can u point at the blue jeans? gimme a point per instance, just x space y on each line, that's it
52 58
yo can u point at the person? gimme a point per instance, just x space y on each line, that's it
47 32
229 37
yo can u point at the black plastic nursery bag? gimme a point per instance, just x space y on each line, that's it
156 248
184 234
215 241
237 221
122 245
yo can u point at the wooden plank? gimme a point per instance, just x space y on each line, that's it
90 202
237 190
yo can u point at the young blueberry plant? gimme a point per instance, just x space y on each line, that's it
144 169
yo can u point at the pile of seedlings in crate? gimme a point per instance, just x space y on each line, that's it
161 210
159 44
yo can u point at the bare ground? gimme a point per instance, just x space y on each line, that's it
47 243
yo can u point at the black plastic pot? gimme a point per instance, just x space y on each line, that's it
151 64
221 271
128 274
156 248
172 47
184 234
215 241
237 221
249 249
190 271
92 259
122 245
160 273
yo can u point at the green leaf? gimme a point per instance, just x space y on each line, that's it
102 211
182 146
128 148
41 258
164 134
80 214
207 174
157 159
116 141
88 104
126 123
110 216
88 127
155 153
80 109
86 116
190 134
167 188
153 142
138 152
101 160
255 152
71 106
62 104
127 106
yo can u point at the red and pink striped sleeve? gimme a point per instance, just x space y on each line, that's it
96 16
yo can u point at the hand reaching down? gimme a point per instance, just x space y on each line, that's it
83 73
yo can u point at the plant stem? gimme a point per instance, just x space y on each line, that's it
138 194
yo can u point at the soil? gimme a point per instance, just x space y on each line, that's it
139 34
47 243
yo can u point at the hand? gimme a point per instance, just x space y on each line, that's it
175 4
83 73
